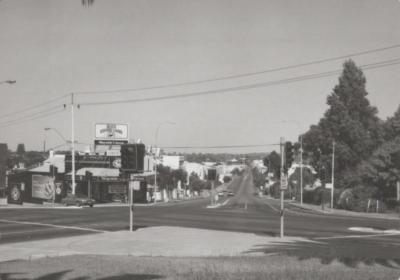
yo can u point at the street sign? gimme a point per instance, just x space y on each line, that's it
135 185
284 182
328 186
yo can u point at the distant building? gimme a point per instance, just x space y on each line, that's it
192 167
173 162
259 164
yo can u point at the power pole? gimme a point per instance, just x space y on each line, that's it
333 173
282 146
301 169
73 143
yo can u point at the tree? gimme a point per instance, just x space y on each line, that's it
383 168
351 122
273 162
21 149
392 126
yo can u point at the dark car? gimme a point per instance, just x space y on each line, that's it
78 200
231 193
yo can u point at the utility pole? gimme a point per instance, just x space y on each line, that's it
301 169
333 173
131 187
212 193
73 144
282 146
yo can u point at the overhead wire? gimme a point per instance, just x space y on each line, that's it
243 87
34 106
241 75
34 118
222 146
31 115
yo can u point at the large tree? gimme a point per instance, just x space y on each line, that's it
273 162
351 122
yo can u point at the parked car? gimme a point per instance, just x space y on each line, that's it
231 193
78 200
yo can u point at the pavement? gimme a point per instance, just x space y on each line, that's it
342 212
152 241
28 205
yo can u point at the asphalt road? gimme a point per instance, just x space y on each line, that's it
244 212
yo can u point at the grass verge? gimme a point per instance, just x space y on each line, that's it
84 267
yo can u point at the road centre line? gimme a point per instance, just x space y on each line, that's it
51 225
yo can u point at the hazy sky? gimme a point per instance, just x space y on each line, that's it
53 48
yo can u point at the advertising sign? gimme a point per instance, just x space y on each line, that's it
111 131
116 189
42 187
15 195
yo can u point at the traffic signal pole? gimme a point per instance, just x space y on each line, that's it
282 146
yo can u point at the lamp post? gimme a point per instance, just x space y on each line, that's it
155 157
301 158
58 133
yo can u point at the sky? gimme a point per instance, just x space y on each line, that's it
55 48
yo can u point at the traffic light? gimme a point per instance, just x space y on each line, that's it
212 174
132 157
289 155
53 170
322 174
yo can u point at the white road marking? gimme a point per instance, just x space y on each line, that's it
357 236
51 225
373 230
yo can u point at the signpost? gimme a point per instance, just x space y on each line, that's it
283 184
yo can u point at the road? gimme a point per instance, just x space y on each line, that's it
244 212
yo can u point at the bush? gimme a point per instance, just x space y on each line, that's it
315 196
392 204
361 205
227 179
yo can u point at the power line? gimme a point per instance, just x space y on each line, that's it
244 87
31 115
31 119
241 75
222 146
34 106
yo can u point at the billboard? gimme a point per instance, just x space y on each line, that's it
111 131
42 187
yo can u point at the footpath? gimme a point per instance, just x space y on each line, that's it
342 212
27 205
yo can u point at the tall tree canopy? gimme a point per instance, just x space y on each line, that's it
351 122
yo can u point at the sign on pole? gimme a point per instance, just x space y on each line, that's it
328 186
284 182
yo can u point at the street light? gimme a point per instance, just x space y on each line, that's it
301 157
8 82
56 131
155 159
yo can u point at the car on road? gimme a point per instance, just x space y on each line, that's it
231 193
77 200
